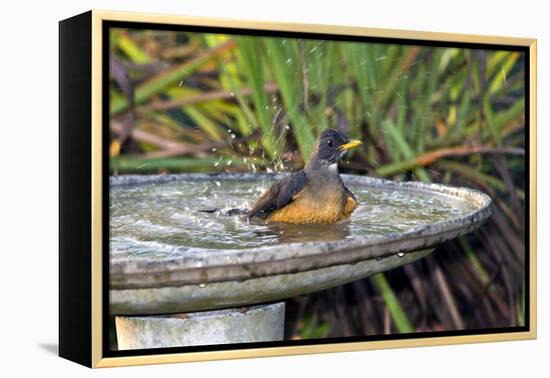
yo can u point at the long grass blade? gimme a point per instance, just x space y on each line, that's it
398 315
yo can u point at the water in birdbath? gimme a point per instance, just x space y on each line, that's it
157 219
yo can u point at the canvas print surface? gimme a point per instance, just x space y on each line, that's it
286 189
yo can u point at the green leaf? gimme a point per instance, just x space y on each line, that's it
173 76
284 60
397 313
253 65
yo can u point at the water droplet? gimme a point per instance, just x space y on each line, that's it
401 254
202 285
232 94
289 61
214 149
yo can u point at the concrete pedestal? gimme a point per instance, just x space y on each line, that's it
242 325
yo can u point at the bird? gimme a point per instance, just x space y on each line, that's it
314 195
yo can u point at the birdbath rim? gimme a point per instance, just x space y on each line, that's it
201 266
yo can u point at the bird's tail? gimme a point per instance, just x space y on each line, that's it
228 212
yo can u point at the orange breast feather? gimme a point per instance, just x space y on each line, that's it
309 208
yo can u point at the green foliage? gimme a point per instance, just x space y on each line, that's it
394 94
398 315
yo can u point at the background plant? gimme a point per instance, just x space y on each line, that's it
210 102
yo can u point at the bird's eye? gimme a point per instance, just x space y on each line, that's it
330 143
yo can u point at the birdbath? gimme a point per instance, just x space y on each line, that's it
179 276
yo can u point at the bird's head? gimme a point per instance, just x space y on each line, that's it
331 146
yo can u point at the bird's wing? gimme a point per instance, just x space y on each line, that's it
280 194
350 203
350 194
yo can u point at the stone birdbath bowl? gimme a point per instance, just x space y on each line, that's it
172 266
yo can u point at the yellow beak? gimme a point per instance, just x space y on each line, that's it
352 144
